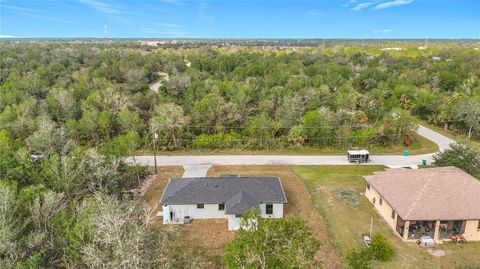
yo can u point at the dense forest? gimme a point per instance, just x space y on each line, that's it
69 112
99 95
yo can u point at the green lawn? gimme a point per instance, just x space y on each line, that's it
337 194
421 145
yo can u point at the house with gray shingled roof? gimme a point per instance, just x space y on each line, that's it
226 197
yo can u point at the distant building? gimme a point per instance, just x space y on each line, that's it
226 197
396 49
439 202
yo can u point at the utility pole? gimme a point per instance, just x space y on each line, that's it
371 227
155 136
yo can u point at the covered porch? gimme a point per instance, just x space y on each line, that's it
438 229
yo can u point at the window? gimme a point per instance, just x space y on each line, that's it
478 225
368 186
380 201
393 214
373 200
221 207
269 209
200 206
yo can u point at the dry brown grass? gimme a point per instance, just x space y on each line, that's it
206 239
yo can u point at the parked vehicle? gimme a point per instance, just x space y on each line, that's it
358 156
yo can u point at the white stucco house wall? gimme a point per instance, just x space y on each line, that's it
224 197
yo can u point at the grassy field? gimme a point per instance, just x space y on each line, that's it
421 145
336 192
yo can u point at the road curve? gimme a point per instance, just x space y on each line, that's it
442 141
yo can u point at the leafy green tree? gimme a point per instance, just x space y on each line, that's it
318 128
296 135
260 131
277 243
460 155
449 80
169 121
468 111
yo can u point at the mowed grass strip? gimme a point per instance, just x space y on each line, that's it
337 193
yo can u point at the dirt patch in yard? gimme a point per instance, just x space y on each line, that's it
206 239
299 203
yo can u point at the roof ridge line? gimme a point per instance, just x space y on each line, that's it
419 195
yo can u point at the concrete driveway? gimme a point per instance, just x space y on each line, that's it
388 160
195 170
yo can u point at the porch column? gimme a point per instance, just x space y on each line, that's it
436 236
405 230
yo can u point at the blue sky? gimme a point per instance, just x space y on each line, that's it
241 19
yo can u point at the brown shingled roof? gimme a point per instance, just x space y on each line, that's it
444 193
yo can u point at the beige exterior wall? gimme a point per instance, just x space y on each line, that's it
384 209
472 233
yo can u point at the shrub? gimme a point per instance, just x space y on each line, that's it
380 248
216 141
359 259
276 243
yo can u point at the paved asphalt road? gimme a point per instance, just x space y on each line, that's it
389 160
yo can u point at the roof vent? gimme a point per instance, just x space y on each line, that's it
229 175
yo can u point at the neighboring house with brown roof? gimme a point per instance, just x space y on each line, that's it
226 197
439 202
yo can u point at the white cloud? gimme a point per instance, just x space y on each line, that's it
102 6
37 13
362 6
7 36
394 3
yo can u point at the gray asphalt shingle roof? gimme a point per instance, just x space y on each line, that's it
240 203
236 192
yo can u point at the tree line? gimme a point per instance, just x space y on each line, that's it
99 96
